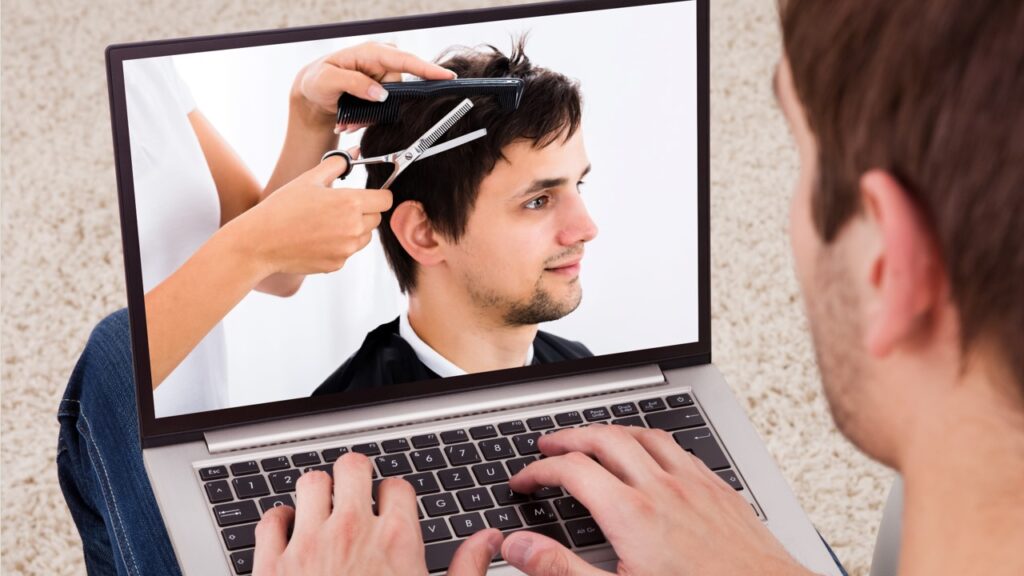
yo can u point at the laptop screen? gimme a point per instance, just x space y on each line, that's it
568 232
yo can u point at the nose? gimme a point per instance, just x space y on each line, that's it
577 225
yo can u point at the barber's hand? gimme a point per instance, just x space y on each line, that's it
347 538
660 508
307 227
358 70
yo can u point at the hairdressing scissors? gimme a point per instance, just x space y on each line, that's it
420 149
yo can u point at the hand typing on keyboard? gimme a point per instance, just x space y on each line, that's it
661 508
347 537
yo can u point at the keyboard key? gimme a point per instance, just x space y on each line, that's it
328 468
569 508
459 454
305 459
455 478
284 481
213 473
526 443
514 466
679 400
585 532
703 445
425 441
245 468
236 513
332 454
395 445
239 536
504 495
540 423
474 499
553 531
730 478
250 486
434 529
271 464
368 449
454 436
393 464
439 504
624 409
537 513
481 432
512 427
218 491
568 418
490 473
423 483
275 501
652 405
595 414
428 459
439 555
630 421
467 524
676 419
547 492
503 518
496 449
242 561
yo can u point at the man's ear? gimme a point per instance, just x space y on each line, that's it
413 230
906 276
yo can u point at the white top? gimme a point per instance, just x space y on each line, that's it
430 357
178 209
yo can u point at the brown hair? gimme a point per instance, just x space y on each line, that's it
930 91
447 184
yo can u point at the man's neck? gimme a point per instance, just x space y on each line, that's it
465 335
963 469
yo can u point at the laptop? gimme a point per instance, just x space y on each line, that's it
226 435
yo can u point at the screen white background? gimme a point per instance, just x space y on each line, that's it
637 70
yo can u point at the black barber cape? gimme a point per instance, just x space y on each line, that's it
385 358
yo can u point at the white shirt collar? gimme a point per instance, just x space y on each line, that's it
430 357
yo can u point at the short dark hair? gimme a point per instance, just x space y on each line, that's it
447 184
931 92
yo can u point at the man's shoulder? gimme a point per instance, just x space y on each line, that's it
384 358
550 348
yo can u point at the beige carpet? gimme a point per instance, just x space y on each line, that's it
62 267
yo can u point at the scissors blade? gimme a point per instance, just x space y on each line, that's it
445 124
454 143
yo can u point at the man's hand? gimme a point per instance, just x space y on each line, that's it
348 538
661 509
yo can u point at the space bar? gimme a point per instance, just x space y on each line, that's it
439 556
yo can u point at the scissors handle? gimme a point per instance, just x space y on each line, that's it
386 159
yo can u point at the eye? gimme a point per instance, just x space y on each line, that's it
579 185
538 203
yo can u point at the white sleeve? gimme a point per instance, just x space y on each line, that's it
181 91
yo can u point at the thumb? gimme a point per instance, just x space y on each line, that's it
474 555
538 555
326 172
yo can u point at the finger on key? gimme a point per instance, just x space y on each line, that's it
664 449
312 501
607 498
271 538
612 445
352 484
396 496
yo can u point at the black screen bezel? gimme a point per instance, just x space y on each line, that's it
182 428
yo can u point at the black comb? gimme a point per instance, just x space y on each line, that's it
355 110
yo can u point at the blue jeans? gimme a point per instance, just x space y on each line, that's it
99 461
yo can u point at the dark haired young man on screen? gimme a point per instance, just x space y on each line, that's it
906 233
486 239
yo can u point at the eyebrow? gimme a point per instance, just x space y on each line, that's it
545 183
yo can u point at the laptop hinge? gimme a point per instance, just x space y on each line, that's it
369 419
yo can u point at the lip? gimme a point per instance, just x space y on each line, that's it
570 268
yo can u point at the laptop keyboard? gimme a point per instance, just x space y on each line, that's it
460 477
